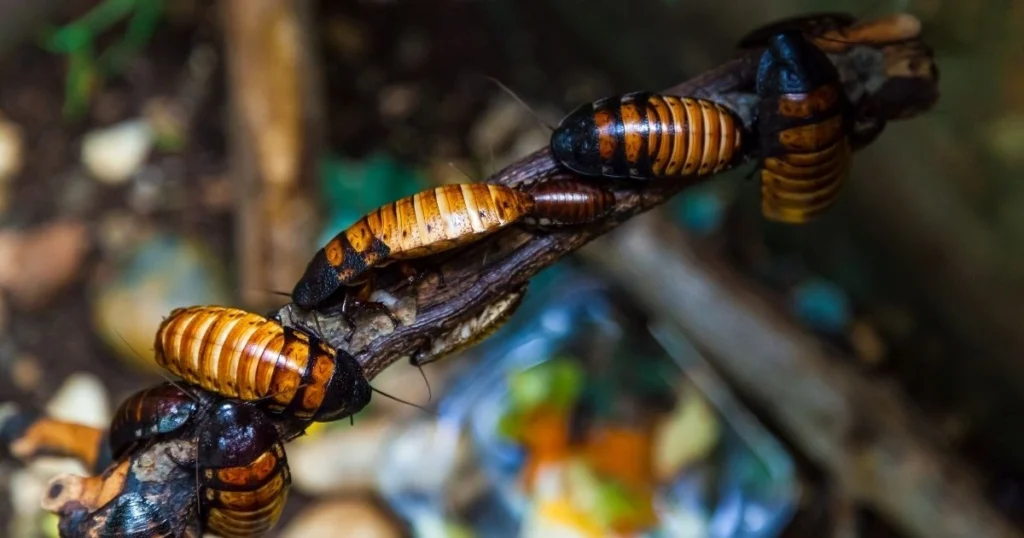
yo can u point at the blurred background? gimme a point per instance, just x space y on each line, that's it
156 154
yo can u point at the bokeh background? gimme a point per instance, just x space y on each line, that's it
127 174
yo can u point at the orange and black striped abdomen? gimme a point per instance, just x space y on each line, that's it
649 136
567 201
151 412
428 222
244 475
238 354
804 124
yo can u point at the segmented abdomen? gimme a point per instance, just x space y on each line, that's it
649 136
437 219
242 355
247 501
567 201
809 159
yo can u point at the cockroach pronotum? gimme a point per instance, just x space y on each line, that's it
238 354
153 412
804 120
434 221
646 136
244 475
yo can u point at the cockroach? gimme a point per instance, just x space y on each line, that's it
425 223
567 201
238 354
244 475
153 412
103 505
647 136
804 121
430 222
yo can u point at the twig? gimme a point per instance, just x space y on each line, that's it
493 272
874 74
857 429
276 140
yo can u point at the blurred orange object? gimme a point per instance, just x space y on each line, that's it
545 436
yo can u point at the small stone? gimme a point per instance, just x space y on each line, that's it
35 264
81 399
112 155
358 517
397 101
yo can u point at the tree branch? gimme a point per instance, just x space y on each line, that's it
876 76
483 285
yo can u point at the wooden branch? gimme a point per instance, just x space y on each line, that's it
875 75
484 284
857 429
277 138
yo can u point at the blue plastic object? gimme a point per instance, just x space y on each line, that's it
747 489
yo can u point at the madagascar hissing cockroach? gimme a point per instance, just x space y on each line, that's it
567 201
430 222
647 136
804 120
152 412
244 475
238 354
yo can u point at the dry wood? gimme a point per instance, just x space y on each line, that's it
276 137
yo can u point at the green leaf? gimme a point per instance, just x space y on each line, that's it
557 383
